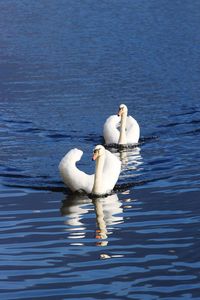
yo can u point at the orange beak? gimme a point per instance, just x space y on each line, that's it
94 156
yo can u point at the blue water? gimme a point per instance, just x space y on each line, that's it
65 66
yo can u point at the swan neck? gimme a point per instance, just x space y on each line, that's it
98 176
122 136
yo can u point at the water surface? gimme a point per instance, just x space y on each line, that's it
65 67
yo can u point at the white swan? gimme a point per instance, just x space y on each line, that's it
125 132
107 171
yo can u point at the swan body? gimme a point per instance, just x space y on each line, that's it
107 171
121 129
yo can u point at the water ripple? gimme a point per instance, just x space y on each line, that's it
64 70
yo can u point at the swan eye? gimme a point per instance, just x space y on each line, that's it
96 150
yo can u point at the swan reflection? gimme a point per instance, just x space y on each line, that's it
108 212
75 206
131 157
131 164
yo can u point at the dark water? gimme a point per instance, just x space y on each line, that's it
65 67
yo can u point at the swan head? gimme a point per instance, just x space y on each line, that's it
98 151
122 110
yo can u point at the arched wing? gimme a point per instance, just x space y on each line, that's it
75 179
111 130
132 130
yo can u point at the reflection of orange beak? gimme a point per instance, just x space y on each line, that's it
98 234
94 156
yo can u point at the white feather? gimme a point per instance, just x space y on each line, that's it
110 130
132 130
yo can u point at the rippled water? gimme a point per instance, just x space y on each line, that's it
65 67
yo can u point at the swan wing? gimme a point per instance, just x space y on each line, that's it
75 179
132 130
111 171
110 130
